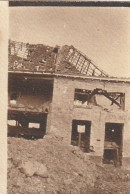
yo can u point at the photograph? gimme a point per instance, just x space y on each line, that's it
68 109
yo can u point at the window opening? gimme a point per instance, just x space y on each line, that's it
30 126
83 97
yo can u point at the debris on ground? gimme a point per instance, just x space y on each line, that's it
49 166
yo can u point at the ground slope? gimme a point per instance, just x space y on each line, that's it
69 171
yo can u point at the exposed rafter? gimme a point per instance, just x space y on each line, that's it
82 62
42 58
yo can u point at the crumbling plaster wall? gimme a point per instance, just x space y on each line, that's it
63 111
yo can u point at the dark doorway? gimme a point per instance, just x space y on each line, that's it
113 143
81 134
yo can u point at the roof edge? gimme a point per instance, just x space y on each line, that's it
111 79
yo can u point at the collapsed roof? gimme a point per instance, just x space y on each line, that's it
42 58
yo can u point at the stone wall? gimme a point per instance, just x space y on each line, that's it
63 111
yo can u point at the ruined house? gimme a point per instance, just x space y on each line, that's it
61 90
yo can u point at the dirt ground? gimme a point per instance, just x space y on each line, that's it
69 171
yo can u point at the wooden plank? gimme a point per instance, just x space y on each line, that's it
79 140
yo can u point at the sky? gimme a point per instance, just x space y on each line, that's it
101 33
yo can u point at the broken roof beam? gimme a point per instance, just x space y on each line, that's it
105 93
112 99
76 55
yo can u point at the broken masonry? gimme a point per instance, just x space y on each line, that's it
61 88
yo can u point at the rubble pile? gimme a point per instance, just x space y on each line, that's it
29 57
49 166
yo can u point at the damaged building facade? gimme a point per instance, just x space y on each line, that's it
61 90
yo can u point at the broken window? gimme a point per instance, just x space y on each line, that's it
26 124
82 97
99 97
81 134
